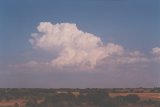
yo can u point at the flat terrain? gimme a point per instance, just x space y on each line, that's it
118 97
12 103
143 96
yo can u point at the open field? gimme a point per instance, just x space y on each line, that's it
18 97
143 96
12 103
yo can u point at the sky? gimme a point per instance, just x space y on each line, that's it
79 43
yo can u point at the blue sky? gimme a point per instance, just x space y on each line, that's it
133 24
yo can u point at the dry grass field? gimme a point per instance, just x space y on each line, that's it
20 97
11 103
143 96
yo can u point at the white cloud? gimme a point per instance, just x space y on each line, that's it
64 35
133 57
125 59
156 53
74 47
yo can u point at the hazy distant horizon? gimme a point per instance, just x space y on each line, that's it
79 44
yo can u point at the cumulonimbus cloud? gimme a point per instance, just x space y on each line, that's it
77 48
74 47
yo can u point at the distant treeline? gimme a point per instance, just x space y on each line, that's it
113 90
